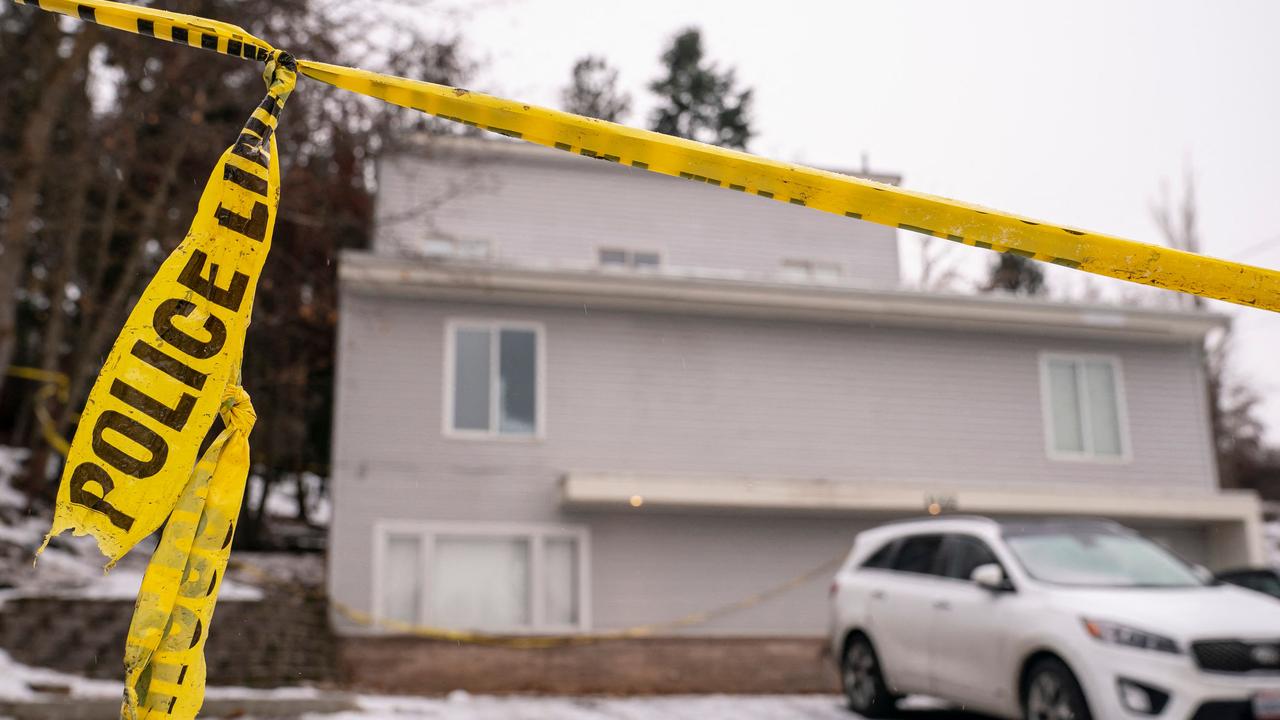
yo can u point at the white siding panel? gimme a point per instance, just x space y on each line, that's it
559 210
679 394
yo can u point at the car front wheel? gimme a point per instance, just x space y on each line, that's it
1052 693
863 683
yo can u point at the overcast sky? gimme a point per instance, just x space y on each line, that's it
1074 112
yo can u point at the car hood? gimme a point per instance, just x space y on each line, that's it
1216 611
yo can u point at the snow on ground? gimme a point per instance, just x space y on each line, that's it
71 567
24 682
282 500
461 706
21 682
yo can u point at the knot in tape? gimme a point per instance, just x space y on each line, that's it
236 409
280 74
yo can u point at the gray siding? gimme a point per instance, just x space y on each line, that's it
535 206
680 394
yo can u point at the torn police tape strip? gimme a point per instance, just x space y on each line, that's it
174 368
818 189
164 652
160 388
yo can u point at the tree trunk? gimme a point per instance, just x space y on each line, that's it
29 172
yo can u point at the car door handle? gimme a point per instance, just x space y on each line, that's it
941 605
877 594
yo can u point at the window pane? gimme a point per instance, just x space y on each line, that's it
613 257
917 554
964 554
480 583
1064 407
562 581
518 382
1104 413
645 259
471 380
401 568
882 557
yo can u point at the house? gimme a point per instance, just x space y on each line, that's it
575 398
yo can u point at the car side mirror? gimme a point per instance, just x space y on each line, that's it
1204 574
991 576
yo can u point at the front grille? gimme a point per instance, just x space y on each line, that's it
1235 656
1224 710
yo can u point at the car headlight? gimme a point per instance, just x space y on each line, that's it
1118 634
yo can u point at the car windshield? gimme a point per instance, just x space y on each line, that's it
1098 558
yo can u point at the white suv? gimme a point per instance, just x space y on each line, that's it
1048 619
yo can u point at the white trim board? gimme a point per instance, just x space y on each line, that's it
614 491
669 290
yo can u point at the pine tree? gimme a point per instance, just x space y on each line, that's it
594 91
1015 274
697 100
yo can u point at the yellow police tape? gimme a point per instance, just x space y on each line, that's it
51 383
821 190
160 388
164 651
173 369
540 642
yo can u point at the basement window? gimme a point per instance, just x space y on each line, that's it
481 577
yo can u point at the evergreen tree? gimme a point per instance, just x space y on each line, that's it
594 91
1015 274
697 100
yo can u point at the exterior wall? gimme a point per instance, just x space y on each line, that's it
527 205
680 394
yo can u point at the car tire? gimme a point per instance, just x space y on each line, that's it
863 683
1051 692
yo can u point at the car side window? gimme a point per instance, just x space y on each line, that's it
963 553
919 554
882 558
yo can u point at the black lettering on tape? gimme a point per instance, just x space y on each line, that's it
258 127
196 348
244 179
171 417
195 634
250 148
169 365
193 276
253 227
196 575
140 434
87 473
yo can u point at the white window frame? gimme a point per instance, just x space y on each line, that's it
535 533
1122 410
494 327
809 268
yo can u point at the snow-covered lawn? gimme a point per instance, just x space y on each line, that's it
461 706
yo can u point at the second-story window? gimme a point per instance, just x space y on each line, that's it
617 257
493 379
1084 410
811 269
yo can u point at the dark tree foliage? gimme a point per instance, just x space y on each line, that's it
108 139
699 101
594 92
1015 274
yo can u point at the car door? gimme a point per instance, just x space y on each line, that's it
901 604
969 646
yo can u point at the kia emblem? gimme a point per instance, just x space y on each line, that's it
1266 654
